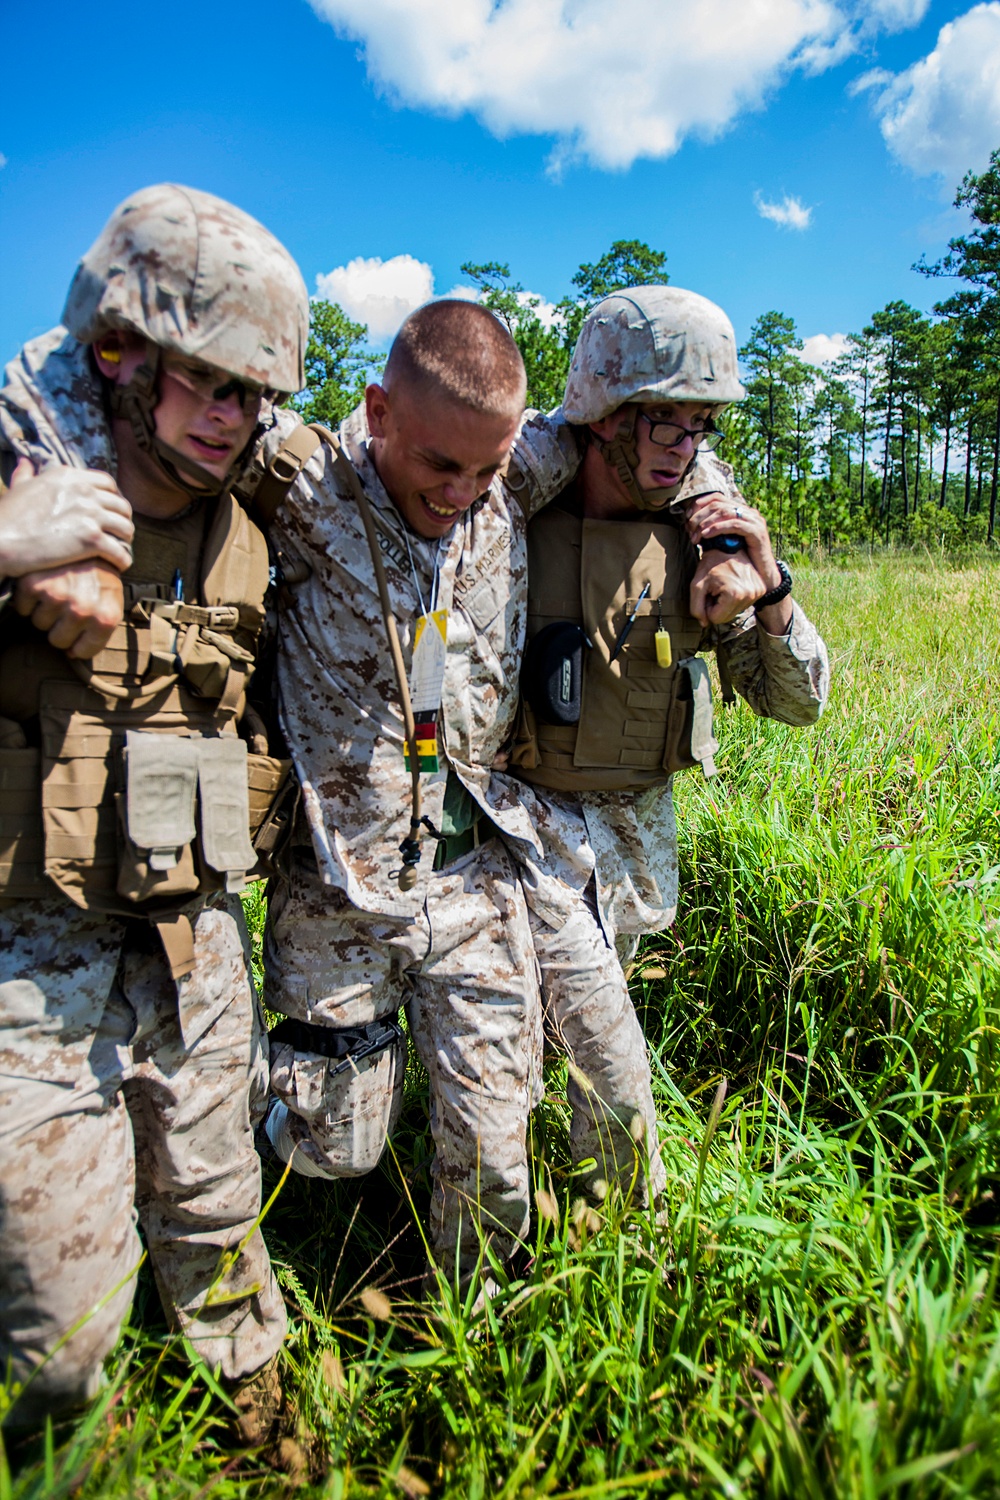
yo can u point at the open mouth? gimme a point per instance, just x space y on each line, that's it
442 512
209 448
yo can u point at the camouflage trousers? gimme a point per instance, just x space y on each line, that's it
589 1017
466 972
124 1095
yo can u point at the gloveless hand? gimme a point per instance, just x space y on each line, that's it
62 516
723 586
78 606
718 515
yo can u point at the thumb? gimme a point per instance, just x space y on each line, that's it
696 601
24 469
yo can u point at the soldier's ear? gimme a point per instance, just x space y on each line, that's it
377 409
118 353
108 351
607 427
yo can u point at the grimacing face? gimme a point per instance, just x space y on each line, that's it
659 467
435 456
202 412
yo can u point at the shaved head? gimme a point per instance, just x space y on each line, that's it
460 352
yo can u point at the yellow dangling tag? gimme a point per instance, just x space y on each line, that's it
664 650
430 640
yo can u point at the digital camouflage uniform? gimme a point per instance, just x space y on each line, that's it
345 944
126 1095
626 842
609 869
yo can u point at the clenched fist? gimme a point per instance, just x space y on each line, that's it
78 607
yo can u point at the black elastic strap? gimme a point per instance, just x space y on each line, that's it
349 1043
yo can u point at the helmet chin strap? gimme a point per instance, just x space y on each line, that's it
137 402
622 454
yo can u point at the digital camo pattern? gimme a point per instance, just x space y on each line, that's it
121 1091
93 1118
651 343
51 407
627 841
197 275
339 704
464 966
590 1018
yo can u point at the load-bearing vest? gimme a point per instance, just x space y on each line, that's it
602 709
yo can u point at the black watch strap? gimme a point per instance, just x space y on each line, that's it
782 591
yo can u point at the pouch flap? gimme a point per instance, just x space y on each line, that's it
225 808
161 780
703 741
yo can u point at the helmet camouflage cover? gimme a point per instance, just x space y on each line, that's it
651 343
195 275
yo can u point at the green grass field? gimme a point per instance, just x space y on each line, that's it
820 1316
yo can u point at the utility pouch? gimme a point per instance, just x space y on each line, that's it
552 672
273 797
225 810
690 737
156 814
208 660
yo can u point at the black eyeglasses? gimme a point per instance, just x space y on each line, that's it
672 434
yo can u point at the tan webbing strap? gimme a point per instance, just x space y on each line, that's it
281 473
177 937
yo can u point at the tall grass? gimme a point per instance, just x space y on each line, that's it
815 1312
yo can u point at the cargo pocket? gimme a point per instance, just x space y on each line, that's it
156 816
690 737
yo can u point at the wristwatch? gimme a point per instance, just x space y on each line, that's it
782 591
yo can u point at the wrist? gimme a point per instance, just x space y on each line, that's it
771 574
779 589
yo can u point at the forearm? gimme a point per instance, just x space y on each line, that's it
783 675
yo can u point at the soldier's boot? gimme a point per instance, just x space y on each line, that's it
259 1401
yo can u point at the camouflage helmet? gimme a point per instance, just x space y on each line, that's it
195 275
651 343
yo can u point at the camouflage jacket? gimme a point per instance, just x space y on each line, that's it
51 408
627 841
339 705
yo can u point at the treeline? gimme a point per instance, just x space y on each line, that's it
897 440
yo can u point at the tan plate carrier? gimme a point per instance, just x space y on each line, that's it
142 797
639 722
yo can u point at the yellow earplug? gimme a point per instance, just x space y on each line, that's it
112 355
664 650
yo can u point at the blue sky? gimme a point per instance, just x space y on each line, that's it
447 130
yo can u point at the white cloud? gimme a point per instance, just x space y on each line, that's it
788 214
463 293
612 80
378 292
3 161
943 113
381 293
544 311
895 15
823 348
